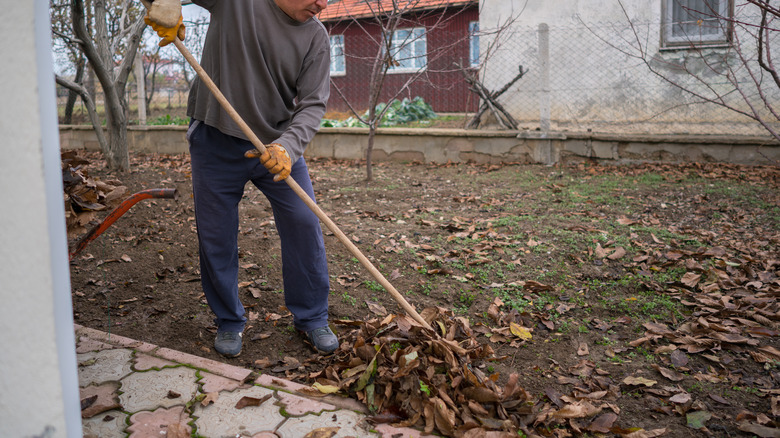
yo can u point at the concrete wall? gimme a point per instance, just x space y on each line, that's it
38 375
480 146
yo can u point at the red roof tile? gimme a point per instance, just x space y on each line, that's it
347 9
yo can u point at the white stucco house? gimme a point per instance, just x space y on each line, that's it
589 64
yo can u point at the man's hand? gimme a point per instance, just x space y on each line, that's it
275 159
165 18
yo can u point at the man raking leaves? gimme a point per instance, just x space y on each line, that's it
270 60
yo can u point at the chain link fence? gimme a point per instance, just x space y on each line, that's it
598 77
577 77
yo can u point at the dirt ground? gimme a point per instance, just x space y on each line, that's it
646 290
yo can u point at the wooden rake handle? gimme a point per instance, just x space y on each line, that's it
297 188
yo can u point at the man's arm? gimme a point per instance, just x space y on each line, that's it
313 92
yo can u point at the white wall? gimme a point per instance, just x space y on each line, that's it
596 79
38 377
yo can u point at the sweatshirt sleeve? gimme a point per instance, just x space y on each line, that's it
313 89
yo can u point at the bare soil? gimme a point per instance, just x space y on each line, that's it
593 260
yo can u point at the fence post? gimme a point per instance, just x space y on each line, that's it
544 77
141 81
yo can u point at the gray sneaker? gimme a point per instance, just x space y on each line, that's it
228 343
323 340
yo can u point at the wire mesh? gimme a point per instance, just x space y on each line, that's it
614 77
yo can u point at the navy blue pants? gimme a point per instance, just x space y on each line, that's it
219 174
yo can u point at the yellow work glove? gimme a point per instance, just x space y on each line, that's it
275 159
165 18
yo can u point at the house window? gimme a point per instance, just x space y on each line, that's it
338 63
408 50
689 22
474 43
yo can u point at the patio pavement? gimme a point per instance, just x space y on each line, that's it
135 389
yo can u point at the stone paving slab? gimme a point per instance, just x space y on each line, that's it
143 390
109 424
222 418
96 367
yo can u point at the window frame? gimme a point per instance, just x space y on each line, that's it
334 55
474 44
417 36
721 39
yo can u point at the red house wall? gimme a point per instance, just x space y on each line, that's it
442 85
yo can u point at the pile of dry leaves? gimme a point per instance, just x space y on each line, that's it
84 195
410 376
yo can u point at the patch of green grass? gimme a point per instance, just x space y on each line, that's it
349 299
373 286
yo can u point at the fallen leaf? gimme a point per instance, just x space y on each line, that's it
679 358
669 373
681 398
603 423
696 420
759 430
322 432
577 410
210 397
619 253
520 331
642 433
251 401
583 349
637 381
375 308
325 389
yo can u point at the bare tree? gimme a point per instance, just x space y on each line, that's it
108 34
155 57
386 24
740 76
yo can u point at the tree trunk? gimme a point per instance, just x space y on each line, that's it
72 94
113 79
369 150
117 155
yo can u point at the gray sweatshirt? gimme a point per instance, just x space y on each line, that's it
272 69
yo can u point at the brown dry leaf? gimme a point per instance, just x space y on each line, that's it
376 308
681 398
251 401
582 350
759 430
210 397
637 381
690 279
642 433
622 220
619 253
600 252
679 358
323 432
670 374
776 406
603 423
260 337
443 417
579 409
